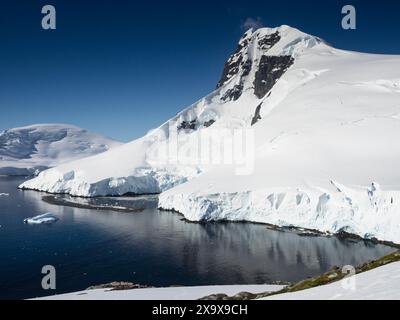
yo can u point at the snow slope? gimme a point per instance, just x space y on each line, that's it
316 149
172 293
382 283
34 148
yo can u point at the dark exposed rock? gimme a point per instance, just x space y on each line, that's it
235 63
187 125
270 69
92 203
209 123
231 68
244 296
343 234
222 296
215 297
257 115
118 285
233 94
269 41
193 125
242 44
246 67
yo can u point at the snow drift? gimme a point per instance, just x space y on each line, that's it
172 293
323 122
382 283
28 150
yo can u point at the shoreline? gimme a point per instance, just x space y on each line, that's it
52 199
330 276
131 291
304 232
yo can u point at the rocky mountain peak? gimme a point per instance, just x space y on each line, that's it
261 58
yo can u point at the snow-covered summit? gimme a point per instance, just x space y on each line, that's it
283 41
261 58
323 124
36 147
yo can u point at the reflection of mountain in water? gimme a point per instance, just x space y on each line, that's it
158 248
251 253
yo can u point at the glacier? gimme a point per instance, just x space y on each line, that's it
325 123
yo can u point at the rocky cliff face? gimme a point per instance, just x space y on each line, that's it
260 60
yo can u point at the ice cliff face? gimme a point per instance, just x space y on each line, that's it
322 124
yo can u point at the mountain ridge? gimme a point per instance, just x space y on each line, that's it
323 122
30 149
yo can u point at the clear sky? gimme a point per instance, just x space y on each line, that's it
121 67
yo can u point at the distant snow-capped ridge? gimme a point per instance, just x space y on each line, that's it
31 149
325 124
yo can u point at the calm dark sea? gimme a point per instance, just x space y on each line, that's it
89 247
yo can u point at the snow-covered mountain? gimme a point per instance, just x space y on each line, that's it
26 150
319 128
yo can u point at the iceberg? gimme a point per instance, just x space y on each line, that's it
46 218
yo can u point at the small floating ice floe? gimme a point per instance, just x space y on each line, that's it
4 194
46 218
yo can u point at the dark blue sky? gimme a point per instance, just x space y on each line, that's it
121 68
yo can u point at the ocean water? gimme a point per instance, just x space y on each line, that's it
151 247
